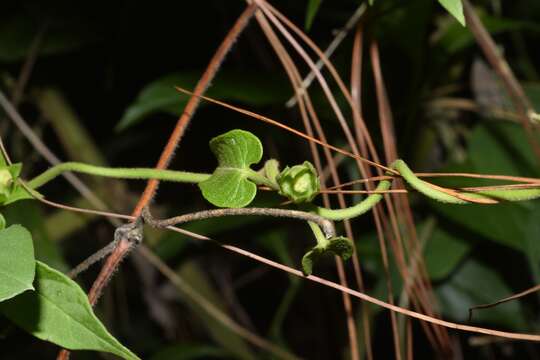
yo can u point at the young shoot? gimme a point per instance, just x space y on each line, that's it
233 186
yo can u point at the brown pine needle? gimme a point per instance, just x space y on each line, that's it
288 128
502 301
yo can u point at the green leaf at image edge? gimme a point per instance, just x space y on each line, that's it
311 12
58 311
229 185
455 8
17 263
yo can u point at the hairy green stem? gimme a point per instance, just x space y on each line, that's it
362 207
121 173
431 191
423 186
356 210
322 240
260 179
511 194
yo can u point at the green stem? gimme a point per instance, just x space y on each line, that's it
319 236
356 210
423 186
431 191
121 173
260 179
511 194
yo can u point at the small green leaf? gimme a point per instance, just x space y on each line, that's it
312 9
308 259
2 222
17 264
20 193
229 185
340 246
455 8
59 312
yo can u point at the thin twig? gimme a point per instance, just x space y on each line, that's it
326 225
92 259
498 302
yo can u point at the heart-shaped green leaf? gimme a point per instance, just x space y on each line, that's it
58 311
229 185
17 263
340 246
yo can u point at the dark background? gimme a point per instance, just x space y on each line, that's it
99 56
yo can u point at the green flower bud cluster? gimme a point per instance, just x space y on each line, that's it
8 175
299 183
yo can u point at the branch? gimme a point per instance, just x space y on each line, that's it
325 224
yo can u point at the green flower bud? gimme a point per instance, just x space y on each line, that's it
6 179
299 183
